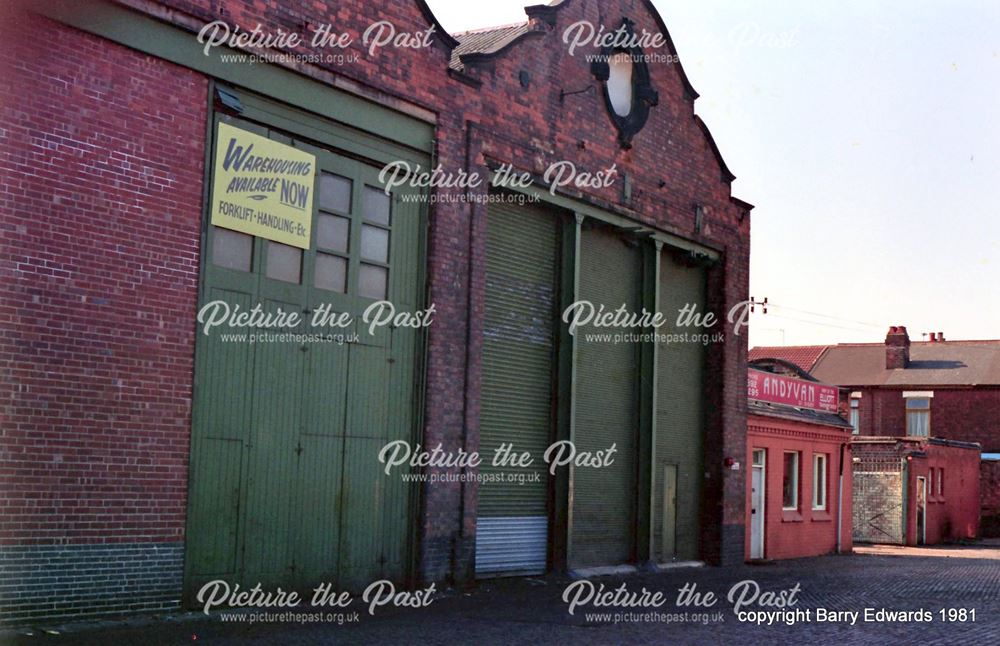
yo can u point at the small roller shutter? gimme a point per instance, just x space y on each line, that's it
516 394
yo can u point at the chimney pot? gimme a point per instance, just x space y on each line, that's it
940 336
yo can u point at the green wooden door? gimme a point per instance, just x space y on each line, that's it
679 417
604 499
517 381
286 487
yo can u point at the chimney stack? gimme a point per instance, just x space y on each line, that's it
940 336
897 348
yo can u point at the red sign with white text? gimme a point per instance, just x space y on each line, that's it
778 389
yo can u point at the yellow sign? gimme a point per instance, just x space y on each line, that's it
262 187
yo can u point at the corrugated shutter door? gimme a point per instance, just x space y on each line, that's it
678 439
604 499
516 395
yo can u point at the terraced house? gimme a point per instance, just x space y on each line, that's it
168 185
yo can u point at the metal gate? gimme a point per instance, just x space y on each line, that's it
517 383
285 485
604 499
877 506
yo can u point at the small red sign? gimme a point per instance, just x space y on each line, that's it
778 389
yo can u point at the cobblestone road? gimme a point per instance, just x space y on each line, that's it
532 611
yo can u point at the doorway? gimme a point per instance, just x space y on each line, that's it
757 499
921 510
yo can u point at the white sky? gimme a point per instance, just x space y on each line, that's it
866 133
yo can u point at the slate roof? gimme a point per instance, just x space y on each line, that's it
798 414
485 41
804 356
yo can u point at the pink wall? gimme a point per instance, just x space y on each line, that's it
805 532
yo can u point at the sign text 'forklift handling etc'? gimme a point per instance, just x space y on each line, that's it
778 389
262 187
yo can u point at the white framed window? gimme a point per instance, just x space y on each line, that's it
790 481
855 413
918 416
819 480
930 481
940 481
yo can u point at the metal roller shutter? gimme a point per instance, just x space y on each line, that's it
678 442
604 499
517 378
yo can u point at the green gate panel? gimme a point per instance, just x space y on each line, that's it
517 385
679 412
361 545
604 499
217 468
218 455
275 398
316 527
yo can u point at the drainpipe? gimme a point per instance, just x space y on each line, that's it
840 499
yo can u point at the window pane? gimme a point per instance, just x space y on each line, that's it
334 193
819 482
333 232
374 243
620 83
284 262
231 249
918 402
331 273
373 281
376 205
918 423
789 484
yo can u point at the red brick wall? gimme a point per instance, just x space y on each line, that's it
964 414
805 532
955 514
101 191
101 201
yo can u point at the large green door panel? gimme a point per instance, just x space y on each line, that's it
517 380
604 499
217 454
286 488
679 415
316 525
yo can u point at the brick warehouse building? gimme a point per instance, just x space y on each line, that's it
142 457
